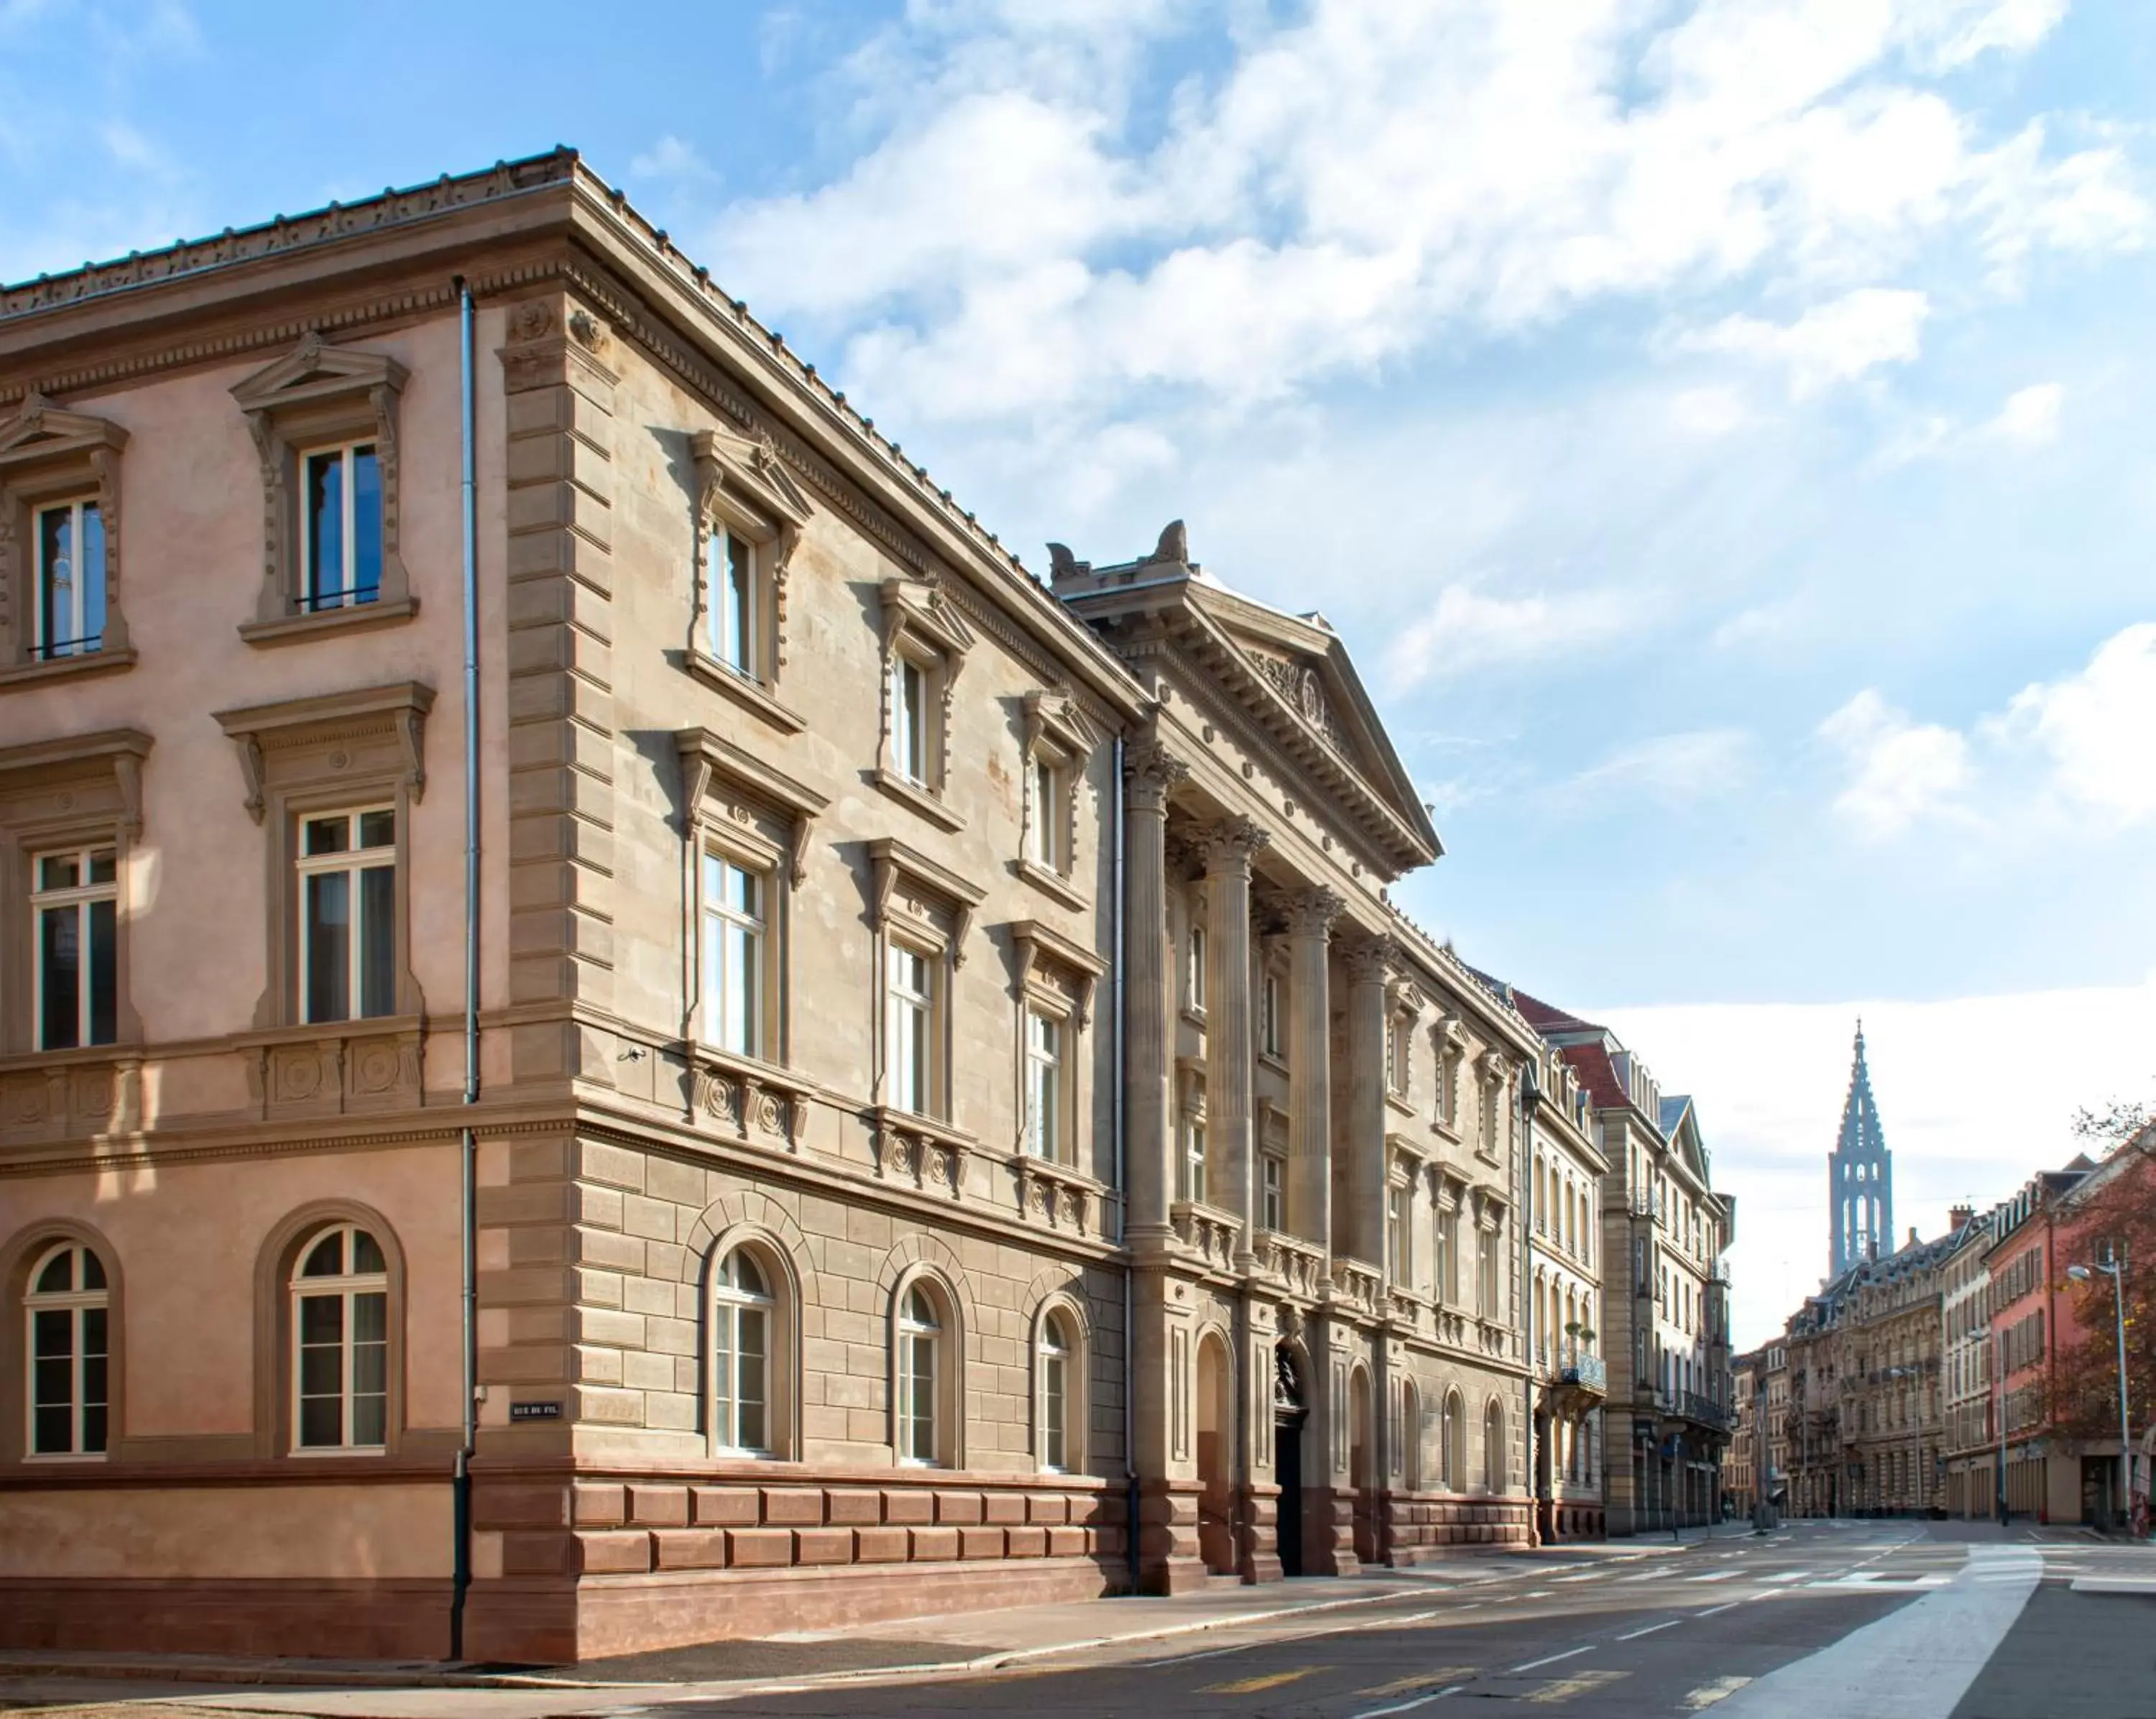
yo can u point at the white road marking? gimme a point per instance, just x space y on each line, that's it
1716 1575
1667 1624
1588 1576
1409 1707
1916 1663
1712 1609
1570 1653
1707 1694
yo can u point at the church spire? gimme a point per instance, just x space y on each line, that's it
1861 1175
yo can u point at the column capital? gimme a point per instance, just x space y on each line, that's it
1232 844
1311 912
1153 773
1370 960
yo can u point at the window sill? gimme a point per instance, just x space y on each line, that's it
746 693
358 617
1399 1102
22 675
919 798
1275 1061
1053 885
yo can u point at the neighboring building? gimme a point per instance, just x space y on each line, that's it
1970 1438
2022 1263
1774 1417
1565 1325
1742 1475
1665 1315
1860 1176
852 1236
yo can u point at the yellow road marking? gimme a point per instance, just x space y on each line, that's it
1251 1685
1707 1694
1421 1680
1563 1689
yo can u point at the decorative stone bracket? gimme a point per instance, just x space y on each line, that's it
1055 1195
709 761
1206 1231
894 864
911 1151
750 1098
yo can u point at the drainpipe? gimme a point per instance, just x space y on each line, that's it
460 1578
1119 937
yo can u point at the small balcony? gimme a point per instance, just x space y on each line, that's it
1586 1373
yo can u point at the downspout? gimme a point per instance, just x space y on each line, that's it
1119 935
461 1575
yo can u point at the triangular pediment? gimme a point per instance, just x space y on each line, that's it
40 430
752 471
313 369
1311 681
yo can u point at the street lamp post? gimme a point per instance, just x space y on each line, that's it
2115 1268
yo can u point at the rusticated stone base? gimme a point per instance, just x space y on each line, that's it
373 1620
1424 1526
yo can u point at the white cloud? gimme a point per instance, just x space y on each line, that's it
1963 1122
1838 341
2029 418
1668 770
1465 631
2064 755
1901 772
1024 237
672 157
2097 729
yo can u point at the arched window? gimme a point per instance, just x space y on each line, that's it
1062 1442
1452 1445
340 1342
921 1368
742 1318
1493 1447
68 1307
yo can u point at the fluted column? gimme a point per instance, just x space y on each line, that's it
1230 846
1152 773
1310 914
1369 967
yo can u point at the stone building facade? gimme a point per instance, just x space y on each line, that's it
955 1120
1665 1315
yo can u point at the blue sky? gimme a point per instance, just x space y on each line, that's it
1723 431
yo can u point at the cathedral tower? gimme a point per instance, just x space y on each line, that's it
1860 1176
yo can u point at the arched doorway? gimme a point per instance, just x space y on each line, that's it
1216 1522
1290 1414
1362 1465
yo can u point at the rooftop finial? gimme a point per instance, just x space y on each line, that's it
1174 544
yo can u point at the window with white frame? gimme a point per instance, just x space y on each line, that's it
1397 1209
1272 997
1191 1181
1194 968
910 738
1057 1354
68 1311
742 1320
348 875
1272 1194
736 929
69 538
75 910
733 622
1446 1284
920 1369
1486 1273
340 1344
340 526
1047 843
909 1028
1044 1051
1399 1037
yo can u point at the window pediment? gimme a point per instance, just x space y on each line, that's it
1054 716
911 888
721 780
920 609
374 733
53 785
1044 952
48 454
744 484
42 432
314 372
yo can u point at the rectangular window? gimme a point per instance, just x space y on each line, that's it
347 869
70 594
1194 974
734 931
917 1396
68 1381
909 720
74 906
1272 1197
1054 1406
1397 1033
1193 1158
909 999
1396 1236
731 564
1046 848
341 535
1269 1015
339 1375
1044 1085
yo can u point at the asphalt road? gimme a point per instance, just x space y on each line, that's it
1773 1625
